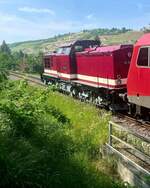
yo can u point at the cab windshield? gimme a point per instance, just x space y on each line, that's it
64 50
59 50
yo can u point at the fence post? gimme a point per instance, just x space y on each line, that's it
110 133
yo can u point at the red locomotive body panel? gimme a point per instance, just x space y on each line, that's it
138 85
104 67
50 65
59 66
62 64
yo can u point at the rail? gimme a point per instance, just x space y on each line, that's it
30 78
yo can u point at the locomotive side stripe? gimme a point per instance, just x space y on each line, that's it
50 71
97 80
60 74
98 85
69 76
102 80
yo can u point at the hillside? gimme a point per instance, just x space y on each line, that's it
113 36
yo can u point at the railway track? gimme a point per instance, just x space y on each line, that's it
133 125
33 79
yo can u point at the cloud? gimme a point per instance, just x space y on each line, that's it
90 16
16 28
36 10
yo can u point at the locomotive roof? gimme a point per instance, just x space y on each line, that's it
48 54
81 42
111 48
144 40
107 49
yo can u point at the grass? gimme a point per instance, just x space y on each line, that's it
126 38
89 125
51 140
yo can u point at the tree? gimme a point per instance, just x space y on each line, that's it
146 29
3 75
5 48
5 61
3 78
35 63
97 38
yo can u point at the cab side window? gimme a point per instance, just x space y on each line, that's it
78 48
47 63
143 57
59 51
66 50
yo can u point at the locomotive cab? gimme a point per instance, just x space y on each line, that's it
138 84
62 63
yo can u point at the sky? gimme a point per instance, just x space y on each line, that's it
22 20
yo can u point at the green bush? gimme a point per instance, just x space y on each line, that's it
49 140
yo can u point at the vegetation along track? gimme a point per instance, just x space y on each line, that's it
138 127
33 79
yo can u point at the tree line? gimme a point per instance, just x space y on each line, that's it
106 31
19 60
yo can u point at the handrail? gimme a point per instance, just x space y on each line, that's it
141 156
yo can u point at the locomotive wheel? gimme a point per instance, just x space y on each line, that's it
74 93
91 100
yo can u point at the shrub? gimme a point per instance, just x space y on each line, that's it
46 143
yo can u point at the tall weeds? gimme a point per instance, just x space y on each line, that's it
49 140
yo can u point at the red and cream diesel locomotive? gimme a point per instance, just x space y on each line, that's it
112 76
